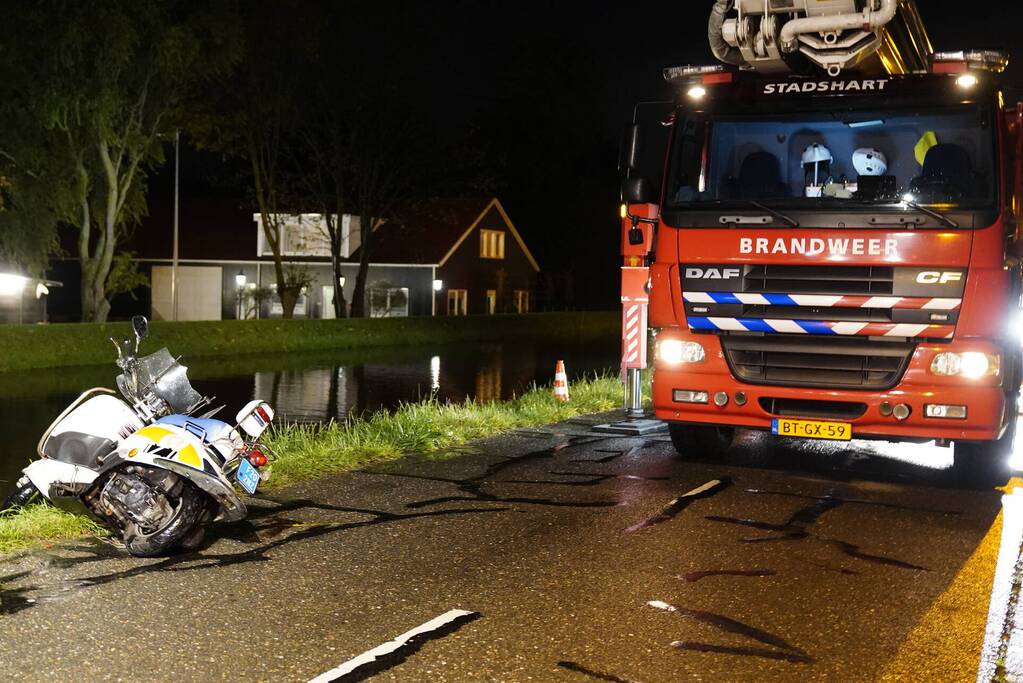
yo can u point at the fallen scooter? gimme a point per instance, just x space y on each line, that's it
145 466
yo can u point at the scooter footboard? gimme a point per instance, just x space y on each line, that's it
61 483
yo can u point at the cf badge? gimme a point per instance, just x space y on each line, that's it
936 277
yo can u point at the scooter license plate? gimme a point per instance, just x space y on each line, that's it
806 429
247 476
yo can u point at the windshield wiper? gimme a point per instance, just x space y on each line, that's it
932 213
774 212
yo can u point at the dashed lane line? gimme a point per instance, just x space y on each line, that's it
395 651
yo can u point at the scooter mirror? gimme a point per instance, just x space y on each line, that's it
141 326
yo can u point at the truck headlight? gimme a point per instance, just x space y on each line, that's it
676 352
969 364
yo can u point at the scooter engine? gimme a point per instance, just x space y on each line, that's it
136 501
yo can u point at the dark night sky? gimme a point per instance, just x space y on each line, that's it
552 84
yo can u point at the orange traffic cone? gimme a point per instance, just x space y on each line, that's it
560 382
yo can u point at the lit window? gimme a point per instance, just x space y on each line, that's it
492 244
458 301
388 302
491 301
522 301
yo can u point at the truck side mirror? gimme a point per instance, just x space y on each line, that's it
637 190
630 150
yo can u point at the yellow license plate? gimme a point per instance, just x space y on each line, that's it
808 429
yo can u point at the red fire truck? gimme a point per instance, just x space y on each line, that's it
834 250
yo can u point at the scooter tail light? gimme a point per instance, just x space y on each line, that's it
257 458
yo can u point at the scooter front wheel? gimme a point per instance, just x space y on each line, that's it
24 492
179 528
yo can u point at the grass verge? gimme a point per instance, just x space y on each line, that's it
310 451
35 524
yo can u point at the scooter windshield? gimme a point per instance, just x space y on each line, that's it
165 377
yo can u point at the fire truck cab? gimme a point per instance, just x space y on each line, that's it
834 252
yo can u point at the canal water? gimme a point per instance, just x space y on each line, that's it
308 387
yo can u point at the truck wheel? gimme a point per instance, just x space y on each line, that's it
695 441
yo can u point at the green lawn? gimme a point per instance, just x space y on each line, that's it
68 344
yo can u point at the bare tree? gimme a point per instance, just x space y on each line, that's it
255 117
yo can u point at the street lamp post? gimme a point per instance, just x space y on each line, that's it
341 293
174 262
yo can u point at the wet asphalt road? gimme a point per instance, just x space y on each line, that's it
792 562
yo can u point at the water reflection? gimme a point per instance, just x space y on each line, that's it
306 387
487 373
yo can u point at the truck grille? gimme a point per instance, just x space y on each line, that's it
864 301
812 362
863 280
825 410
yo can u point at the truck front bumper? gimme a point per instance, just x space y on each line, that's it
870 413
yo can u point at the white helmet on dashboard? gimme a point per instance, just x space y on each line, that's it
816 153
816 168
870 162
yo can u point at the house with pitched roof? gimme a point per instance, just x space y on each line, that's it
430 257
480 263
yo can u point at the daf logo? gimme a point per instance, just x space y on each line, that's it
934 277
712 273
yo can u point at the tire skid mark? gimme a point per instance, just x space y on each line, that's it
693 577
854 501
596 675
853 550
23 597
827 566
473 487
594 478
785 650
604 459
793 529
743 651
711 488
797 528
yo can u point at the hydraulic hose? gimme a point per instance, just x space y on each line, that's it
868 20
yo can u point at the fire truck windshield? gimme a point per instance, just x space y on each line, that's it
834 160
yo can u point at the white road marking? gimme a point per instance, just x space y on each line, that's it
1002 648
700 489
387 648
658 604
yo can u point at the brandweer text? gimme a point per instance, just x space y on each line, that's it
815 246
